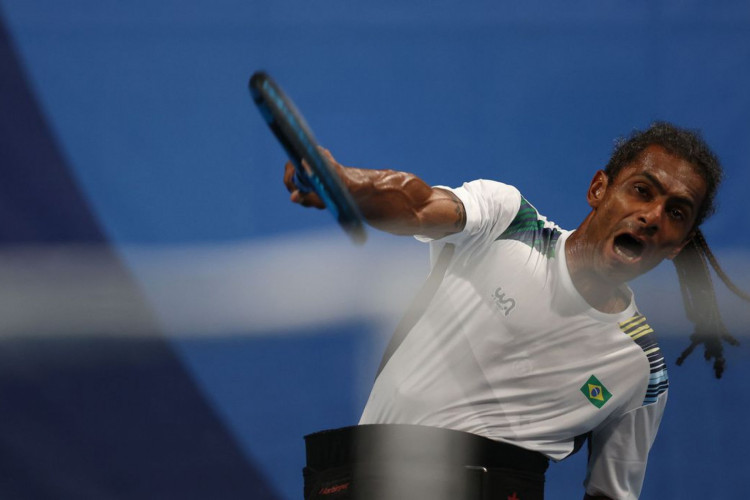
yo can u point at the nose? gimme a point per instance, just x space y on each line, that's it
650 217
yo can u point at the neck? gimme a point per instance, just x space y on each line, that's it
601 294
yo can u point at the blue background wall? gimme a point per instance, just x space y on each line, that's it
138 179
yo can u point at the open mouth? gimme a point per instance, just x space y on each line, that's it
628 247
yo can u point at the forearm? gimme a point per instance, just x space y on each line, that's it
402 203
397 202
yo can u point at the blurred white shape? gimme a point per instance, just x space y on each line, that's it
258 287
282 284
273 286
658 296
69 290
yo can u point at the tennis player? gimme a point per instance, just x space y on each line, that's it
526 341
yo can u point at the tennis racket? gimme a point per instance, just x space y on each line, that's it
316 173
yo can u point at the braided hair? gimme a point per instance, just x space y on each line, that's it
699 297
692 263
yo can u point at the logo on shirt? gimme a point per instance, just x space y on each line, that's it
504 303
595 392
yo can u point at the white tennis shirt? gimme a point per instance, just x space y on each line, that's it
508 349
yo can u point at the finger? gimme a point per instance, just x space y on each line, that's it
289 177
308 200
323 151
312 201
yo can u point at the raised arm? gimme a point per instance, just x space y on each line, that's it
393 201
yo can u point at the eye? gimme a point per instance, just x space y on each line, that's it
641 190
676 214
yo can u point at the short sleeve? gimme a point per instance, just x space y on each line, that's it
490 208
619 452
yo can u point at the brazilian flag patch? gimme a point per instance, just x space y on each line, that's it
595 392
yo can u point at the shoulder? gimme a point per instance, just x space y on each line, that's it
490 205
488 190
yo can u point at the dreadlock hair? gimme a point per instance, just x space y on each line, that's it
692 263
699 298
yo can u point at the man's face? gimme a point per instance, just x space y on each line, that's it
645 215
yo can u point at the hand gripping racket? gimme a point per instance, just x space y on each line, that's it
316 173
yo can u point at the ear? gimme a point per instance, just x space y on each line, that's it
597 188
674 253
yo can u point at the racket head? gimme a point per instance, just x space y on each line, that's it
291 130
